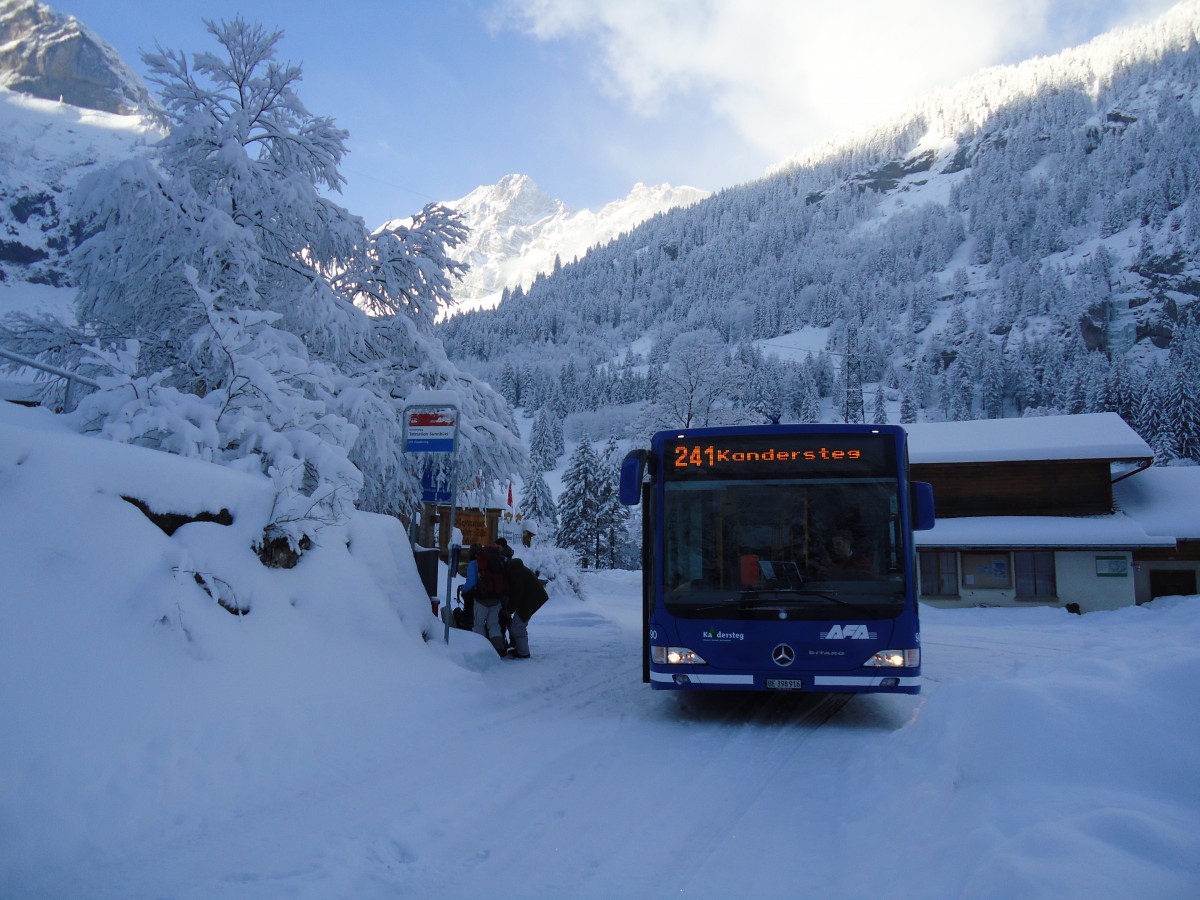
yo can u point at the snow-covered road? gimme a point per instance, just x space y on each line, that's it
1050 755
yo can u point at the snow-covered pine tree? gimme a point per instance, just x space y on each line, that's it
1150 418
510 385
806 400
992 388
1165 445
579 504
1179 414
852 406
224 301
1184 395
567 397
612 525
879 414
545 440
537 504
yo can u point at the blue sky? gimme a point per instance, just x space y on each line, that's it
588 97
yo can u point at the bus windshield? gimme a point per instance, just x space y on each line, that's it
781 548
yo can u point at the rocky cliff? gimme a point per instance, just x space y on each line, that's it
55 57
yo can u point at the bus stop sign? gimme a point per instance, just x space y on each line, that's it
430 430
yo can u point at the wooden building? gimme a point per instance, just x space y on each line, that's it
478 526
1051 511
1166 501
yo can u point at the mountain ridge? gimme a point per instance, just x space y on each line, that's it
518 232
68 103
47 148
1025 241
1039 218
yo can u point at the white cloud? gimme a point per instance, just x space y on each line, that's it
787 75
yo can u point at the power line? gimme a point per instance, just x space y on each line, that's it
809 350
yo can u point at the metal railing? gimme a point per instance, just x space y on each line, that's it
71 378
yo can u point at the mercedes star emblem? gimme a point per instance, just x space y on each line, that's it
783 655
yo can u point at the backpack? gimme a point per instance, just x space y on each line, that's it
490 565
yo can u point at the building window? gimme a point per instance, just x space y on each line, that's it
939 573
1035 574
991 571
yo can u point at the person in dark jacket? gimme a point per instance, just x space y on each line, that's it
526 594
467 591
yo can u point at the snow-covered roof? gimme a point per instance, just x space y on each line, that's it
1164 499
1118 531
1090 436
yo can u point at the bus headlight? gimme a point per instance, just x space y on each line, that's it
675 656
896 659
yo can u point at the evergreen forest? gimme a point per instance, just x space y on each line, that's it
1024 243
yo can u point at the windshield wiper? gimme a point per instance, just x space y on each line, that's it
797 596
789 598
730 603
744 600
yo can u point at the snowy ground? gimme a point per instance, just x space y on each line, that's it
153 745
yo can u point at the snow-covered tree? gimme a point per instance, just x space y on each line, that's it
537 503
579 504
612 517
234 312
695 385
546 441
1183 394
510 385
805 400
879 414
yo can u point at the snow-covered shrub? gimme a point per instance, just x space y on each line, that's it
557 567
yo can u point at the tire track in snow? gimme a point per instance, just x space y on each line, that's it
758 762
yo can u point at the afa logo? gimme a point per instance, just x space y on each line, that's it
848 633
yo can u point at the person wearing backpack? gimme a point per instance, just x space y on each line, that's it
488 592
526 594
464 616
505 610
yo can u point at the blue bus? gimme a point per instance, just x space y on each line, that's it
779 557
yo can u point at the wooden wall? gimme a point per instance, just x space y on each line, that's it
1033 488
478 526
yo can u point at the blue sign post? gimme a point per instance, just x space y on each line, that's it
436 489
432 427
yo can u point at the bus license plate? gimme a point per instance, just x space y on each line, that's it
785 684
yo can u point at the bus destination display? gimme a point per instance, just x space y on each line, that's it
764 455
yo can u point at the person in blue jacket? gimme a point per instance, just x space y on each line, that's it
485 606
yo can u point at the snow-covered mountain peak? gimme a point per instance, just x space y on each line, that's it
518 231
513 201
55 57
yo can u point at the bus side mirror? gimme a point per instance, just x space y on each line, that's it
922 504
633 473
